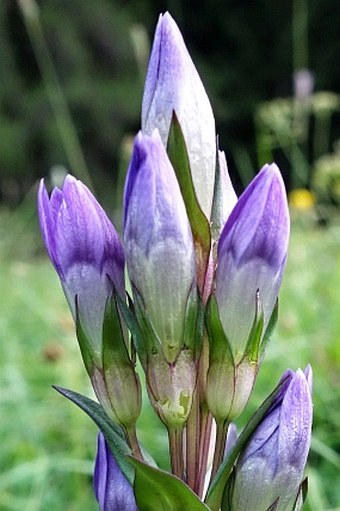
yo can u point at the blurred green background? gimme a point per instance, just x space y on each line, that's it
71 84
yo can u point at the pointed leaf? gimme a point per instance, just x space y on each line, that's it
114 350
194 320
270 328
129 315
86 350
113 433
220 350
302 495
274 505
255 336
156 490
178 155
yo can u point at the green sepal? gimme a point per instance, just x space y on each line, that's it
228 492
217 221
114 350
113 433
252 349
270 328
89 356
220 349
194 322
301 496
178 155
218 485
129 316
121 381
156 490
274 505
149 339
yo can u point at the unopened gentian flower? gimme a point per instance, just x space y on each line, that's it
85 250
270 470
173 85
251 257
158 241
113 492
252 252
161 264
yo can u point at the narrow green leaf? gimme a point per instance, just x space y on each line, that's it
149 338
113 433
217 220
301 496
227 494
86 349
254 340
156 490
220 350
178 155
114 350
129 316
270 328
217 487
193 326
274 505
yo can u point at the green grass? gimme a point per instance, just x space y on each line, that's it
48 445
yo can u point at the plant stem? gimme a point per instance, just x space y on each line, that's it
205 438
133 442
221 436
176 451
192 443
204 417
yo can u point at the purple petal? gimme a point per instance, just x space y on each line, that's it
84 248
271 467
173 85
158 240
112 490
258 227
295 423
252 253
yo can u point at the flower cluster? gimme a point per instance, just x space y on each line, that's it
204 269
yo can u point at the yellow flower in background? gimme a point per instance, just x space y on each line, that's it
301 199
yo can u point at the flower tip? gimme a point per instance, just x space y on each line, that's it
309 376
271 172
165 19
42 192
300 387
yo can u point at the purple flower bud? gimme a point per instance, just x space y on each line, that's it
112 490
84 249
271 467
158 241
173 85
251 256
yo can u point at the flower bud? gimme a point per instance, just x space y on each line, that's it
85 250
112 490
173 85
88 256
158 242
251 257
270 470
